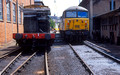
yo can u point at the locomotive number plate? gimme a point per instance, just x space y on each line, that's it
77 26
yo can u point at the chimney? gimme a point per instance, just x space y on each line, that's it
38 2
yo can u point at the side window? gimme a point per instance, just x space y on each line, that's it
112 5
19 15
14 13
1 10
8 12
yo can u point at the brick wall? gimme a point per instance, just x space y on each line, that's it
8 28
101 7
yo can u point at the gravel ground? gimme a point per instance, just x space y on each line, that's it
10 44
62 61
35 67
8 47
97 62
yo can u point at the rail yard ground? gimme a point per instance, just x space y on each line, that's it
62 60
8 48
100 64
36 66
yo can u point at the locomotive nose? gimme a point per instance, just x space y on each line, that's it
18 36
47 36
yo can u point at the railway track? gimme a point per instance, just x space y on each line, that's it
82 61
98 61
19 63
46 64
94 63
63 61
16 64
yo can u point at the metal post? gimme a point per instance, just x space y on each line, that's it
55 7
5 21
17 17
13 21
91 18
30 2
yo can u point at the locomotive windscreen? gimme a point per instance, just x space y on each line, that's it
82 14
76 14
71 14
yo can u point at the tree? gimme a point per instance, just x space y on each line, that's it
52 23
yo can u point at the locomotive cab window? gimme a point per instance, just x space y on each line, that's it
82 14
71 14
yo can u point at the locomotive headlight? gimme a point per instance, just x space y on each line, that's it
67 23
86 23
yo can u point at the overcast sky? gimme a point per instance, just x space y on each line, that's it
60 5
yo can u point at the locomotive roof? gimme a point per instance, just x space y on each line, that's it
76 8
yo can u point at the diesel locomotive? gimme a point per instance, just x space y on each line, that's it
36 27
74 26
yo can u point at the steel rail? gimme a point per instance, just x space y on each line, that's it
98 46
93 46
23 65
8 66
8 53
82 61
46 64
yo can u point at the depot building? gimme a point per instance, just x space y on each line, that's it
9 18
